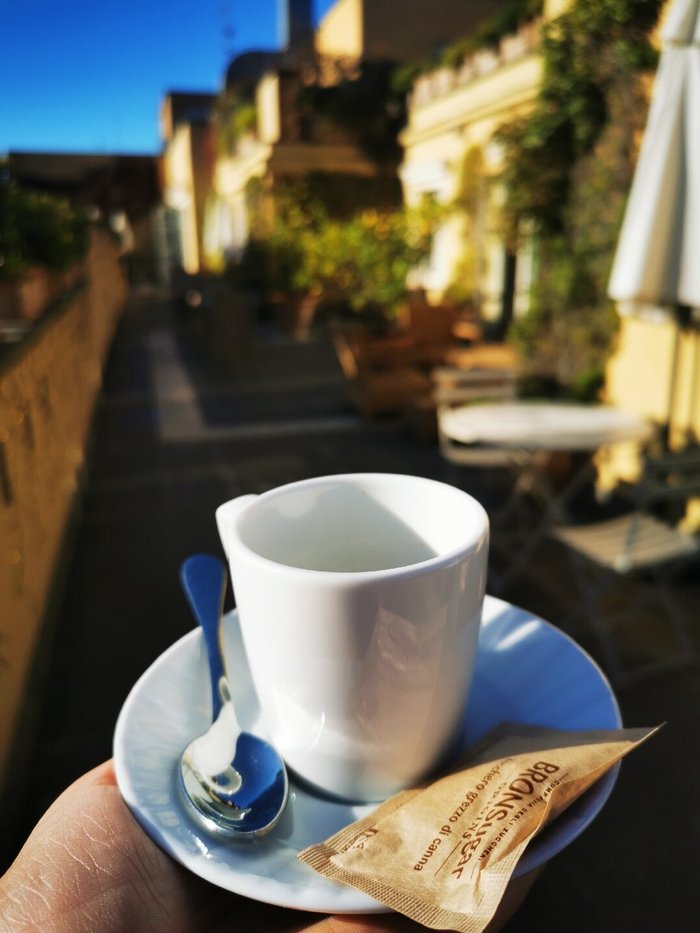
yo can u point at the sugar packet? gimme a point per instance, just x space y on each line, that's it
443 853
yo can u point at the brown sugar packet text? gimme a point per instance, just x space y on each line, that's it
443 854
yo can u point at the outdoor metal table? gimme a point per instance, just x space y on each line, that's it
530 433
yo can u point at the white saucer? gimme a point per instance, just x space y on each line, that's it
527 671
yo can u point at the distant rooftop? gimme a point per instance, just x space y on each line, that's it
109 181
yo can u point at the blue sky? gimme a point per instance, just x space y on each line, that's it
85 76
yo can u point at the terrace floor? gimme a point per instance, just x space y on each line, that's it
176 434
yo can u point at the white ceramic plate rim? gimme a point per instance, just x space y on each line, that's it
267 870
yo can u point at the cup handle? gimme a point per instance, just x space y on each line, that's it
226 515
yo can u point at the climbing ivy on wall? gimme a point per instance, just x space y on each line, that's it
234 117
470 204
37 229
488 34
512 15
567 170
587 52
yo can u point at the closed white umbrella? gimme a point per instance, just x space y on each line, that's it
656 270
657 262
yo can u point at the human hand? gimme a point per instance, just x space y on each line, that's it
88 866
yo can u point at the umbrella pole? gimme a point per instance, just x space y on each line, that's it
682 319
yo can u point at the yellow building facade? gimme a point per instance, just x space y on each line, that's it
453 116
649 375
187 165
278 149
285 144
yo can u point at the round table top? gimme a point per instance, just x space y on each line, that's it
543 425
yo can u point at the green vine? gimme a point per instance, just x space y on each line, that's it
38 229
470 204
488 35
567 170
586 52
235 116
359 263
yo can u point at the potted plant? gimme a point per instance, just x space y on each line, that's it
41 238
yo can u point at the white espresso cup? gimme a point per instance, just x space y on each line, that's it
359 598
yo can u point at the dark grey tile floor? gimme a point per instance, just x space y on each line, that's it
175 435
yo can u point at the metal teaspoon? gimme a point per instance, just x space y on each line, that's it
233 783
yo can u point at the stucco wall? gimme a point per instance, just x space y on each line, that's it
452 113
48 388
188 165
640 371
339 33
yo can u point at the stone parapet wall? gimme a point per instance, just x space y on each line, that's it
48 388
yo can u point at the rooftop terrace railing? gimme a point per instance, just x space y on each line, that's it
442 80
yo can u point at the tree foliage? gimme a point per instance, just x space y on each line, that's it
586 52
38 229
359 263
567 170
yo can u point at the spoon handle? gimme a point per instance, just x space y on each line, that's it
203 579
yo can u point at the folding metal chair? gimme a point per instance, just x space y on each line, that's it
638 546
501 466
454 387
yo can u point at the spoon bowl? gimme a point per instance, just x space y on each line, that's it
233 783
